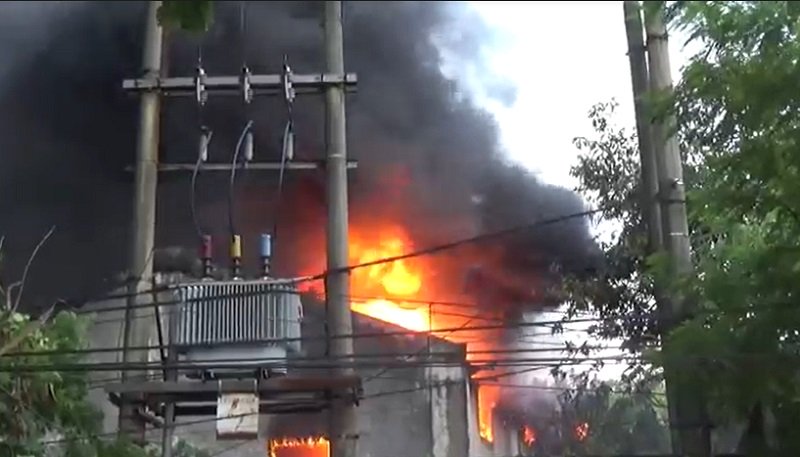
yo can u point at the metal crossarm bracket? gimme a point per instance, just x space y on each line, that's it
232 85
252 166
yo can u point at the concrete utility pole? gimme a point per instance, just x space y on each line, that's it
690 414
343 420
637 57
136 332
640 80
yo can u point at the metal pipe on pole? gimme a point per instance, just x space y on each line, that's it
342 420
690 421
137 328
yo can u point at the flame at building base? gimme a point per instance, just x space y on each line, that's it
299 447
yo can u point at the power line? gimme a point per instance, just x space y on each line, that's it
422 333
238 364
90 351
438 333
422 252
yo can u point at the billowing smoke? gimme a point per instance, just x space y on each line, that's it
428 158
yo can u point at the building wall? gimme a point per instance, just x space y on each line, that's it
506 435
448 400
410 411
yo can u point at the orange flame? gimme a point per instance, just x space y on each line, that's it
528 436
582 431
487 401
395 292
299 447
401 279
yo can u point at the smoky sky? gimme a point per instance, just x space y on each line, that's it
426 153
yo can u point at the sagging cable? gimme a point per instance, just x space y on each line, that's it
243 138
202 156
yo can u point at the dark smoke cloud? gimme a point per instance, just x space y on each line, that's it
425 152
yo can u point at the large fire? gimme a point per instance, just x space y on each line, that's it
401 279
299 447
400 293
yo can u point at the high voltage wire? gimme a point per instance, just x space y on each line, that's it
216 419
610 317
353 298
419 253
422 333
428 251
237 364
479 363
375 395
433 333
90 351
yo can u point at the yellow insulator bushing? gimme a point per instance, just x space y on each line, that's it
236 247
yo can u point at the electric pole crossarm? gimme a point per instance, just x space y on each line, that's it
232 85
250 166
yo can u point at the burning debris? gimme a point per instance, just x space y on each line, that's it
582 431
528 435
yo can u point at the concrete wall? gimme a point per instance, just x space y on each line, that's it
449 409
410 411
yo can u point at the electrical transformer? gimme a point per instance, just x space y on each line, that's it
250 326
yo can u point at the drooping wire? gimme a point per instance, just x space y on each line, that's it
287 148
247 92
234 167
205 138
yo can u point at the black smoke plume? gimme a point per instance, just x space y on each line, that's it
426 153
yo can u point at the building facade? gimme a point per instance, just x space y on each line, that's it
409 408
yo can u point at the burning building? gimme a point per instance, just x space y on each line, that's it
422 363
419 397
430 172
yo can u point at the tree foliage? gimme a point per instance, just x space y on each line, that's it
46 401
46 412
608 172
619 421
601 418
738 105
193 16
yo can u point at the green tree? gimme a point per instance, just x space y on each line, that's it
618 421
737 105
35 403
192 16
45 411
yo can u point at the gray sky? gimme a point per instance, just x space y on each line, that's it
563 57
